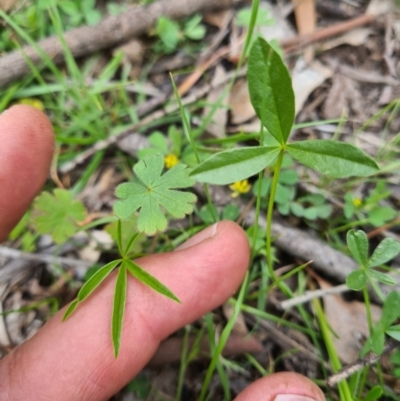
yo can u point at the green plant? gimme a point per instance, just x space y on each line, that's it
58 214
272 97
386 250
369 210
150 192
172 33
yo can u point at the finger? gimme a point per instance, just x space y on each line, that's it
26 148
74 360
283 386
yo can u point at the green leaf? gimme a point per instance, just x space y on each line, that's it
382 277
235 164
149 280
271 91
336 159
357 242
381 215
374 394
58 214
394 332
356 280
169 32
378 339
289 177
150 191
97 279
194 29
230 212
118 309
391 309
385 251
70 310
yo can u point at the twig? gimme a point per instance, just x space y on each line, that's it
309 295
296 42
284 340
104 144
368 360
44 258
109 32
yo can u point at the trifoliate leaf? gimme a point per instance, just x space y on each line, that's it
151 192
58 214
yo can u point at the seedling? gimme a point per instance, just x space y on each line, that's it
171 33
150 193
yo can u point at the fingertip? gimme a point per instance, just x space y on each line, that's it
27 144
282 386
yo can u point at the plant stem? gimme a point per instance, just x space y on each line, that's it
268 231
368 309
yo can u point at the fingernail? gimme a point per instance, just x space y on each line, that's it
292 397
207 233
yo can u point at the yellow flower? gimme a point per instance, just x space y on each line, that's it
240 187
170 160
357 202
32 102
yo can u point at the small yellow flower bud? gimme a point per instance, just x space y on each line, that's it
170 160
357 202
240 187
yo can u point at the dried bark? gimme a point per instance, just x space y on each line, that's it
111 31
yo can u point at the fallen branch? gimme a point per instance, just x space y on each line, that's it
110 32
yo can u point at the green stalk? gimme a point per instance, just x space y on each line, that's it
268 230
344 389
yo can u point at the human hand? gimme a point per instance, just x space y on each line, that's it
73 360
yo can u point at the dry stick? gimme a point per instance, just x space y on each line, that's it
356 366
294 43
43 258
101 145
110 32
284 340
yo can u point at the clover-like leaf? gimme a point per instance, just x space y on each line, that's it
151 192
58 214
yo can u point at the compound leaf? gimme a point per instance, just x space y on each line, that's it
337 159
149 280
235 164
118 308
150 191
385 251
270 89
58 214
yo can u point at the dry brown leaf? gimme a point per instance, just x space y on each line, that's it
240 104
348 320
216 18
307 78
336 101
